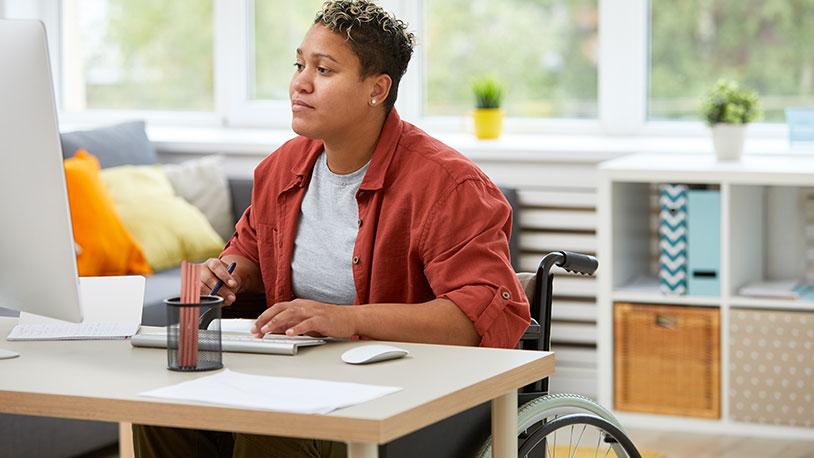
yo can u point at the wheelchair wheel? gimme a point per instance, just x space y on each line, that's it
532 415
579 432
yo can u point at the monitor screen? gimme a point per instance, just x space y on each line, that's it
38 271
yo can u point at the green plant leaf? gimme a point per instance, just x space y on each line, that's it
727 102
488 91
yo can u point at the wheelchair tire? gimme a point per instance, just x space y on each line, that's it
613 438
549 407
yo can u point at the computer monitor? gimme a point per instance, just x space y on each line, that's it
38 267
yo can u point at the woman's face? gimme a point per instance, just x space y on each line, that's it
328 98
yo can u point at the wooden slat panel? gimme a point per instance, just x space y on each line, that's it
556 241
571 356
575 286
576 333
558 219
569 199
578 380
573 310
558 212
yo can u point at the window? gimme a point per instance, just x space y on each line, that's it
230 61
138 55
764 44
545 51
279 27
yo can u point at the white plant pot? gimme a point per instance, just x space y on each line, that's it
728 140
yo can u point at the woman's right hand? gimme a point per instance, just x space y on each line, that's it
214 269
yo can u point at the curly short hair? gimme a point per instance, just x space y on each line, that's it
381 41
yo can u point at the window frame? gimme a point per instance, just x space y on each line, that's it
622 91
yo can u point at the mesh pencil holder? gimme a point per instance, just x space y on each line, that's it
190 348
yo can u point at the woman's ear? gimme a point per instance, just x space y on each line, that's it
381 89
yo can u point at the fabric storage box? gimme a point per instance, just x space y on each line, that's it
667 359
771 365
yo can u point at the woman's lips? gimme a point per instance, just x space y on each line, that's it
299 105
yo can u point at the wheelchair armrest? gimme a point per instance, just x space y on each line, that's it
534 331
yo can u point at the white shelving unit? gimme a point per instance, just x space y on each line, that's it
761 239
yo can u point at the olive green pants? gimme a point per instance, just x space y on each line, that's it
161 442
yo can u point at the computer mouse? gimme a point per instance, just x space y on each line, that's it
5 354
372 353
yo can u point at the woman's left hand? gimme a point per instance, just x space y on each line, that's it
303 316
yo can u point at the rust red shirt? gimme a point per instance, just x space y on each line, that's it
431 225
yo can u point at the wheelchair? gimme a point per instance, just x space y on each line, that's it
549 425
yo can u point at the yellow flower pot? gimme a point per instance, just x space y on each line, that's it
488 122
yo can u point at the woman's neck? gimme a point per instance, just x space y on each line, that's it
354 148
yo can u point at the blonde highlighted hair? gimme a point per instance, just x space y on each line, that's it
380 41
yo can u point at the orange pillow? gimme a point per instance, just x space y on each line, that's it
106 247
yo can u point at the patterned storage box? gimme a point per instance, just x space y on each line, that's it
673 239
771 367
667 359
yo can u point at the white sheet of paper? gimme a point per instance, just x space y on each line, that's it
285 394
111 307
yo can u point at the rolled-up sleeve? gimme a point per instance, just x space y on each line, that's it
465 249
244 240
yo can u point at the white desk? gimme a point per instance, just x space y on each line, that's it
99 380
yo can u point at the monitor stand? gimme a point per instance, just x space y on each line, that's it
6 354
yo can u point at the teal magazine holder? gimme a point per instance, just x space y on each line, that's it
801 127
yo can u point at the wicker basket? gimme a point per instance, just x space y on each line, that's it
667 360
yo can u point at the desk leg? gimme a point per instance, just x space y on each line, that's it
126 440
504 425
360 450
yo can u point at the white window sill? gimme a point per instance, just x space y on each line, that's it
510 147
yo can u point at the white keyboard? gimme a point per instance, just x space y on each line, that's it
237 342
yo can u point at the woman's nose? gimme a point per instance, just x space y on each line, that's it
301 82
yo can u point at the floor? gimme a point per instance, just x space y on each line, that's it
686 445
679 445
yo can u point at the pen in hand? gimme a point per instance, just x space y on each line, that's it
229 269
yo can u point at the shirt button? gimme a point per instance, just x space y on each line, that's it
356 259
359 222
506 295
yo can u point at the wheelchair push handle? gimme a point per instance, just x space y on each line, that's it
582 264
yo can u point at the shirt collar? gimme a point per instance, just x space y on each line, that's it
385 150
382 156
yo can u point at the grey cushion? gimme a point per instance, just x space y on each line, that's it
120 144
241 192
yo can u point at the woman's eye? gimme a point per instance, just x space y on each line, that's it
323 70
299 66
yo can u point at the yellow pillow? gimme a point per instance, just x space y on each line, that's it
106 247
168 228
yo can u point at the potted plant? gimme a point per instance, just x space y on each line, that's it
727 109
488 116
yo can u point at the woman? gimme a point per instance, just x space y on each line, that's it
364 225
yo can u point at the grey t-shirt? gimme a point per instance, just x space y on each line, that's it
322 267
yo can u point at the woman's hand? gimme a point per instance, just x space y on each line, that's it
214 269
302 316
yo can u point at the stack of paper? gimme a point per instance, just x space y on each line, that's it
783 289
